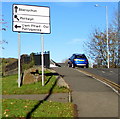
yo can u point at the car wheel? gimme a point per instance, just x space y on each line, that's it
69 65
73 66
87 66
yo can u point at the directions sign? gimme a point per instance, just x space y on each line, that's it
27 18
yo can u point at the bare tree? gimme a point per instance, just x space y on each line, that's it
97 47
3 27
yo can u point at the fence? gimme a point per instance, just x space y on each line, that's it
37 59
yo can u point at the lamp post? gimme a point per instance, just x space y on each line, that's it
108 58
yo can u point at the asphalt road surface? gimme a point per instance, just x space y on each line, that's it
93 98
111 74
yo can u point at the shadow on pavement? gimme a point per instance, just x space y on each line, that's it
50 74
41 101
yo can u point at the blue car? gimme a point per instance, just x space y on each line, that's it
78 60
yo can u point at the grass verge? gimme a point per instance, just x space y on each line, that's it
10 86
22 108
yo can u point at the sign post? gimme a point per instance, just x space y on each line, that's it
19 49
42 58
31 19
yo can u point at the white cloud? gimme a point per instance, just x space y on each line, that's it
76 41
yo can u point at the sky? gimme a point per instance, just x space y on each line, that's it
71 26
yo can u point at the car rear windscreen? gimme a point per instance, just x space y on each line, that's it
80 56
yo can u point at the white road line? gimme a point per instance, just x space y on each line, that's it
103 71
101 82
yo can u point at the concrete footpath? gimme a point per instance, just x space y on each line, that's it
58 97
93 98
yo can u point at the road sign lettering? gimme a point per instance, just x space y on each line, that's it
27 10
31 10
45 26
23 25
29 27
35 26
28 18
35 19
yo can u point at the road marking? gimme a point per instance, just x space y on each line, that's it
108 83
103 71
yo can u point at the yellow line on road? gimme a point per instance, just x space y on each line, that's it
113 84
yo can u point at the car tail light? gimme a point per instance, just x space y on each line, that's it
75 59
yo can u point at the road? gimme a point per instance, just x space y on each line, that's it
93 99
110 74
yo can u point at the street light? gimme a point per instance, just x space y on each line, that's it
108 58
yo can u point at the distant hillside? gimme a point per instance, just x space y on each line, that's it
7 61
4 62
9 66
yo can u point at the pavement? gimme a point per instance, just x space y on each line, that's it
57 97
93 98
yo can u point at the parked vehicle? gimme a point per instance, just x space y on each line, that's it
78 60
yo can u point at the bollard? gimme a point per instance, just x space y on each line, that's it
69 97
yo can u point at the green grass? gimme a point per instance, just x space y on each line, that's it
10 86
20 108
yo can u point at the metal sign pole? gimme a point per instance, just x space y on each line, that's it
42 58
19 47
